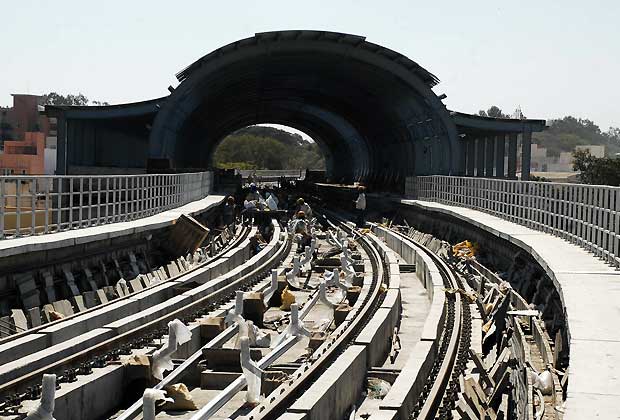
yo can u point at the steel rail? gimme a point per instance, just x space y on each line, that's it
438 389
309 371
33 378
181 370
231 245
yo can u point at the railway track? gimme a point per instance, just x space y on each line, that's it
317 366
144 330
145 336
442 385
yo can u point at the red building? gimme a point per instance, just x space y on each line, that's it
24 157
27 137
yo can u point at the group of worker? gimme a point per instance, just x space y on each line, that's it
302 213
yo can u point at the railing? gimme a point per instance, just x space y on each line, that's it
271 174
587 215
32 205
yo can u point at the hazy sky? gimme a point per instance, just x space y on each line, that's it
553 58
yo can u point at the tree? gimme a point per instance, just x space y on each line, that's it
600 171
493 112
54 98
566 133
260 147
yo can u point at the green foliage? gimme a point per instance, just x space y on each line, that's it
259 147
493 112
236 165
601 171
54 98
566 133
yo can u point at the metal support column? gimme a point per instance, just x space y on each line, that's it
512 156
480 157
471 156
526 154
500 151
489 142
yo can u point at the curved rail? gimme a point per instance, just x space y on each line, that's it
308 372
110 349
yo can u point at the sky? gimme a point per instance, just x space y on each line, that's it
552 58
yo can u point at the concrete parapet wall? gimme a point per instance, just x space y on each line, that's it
337 389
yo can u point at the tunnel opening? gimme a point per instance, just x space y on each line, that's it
268 146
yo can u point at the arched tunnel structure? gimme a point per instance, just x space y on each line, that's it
371 110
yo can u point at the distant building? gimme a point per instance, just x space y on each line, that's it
24 157
540 162
597 151
21 128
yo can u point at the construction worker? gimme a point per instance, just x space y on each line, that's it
301 228
228 212
360 206
304 207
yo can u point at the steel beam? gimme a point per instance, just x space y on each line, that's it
500 152
480 157
526 153
489 156
512 156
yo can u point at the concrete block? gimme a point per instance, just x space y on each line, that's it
293 416
34 316
353 293
6 326
19 320
128 322
155 295
84 398
211 327
47 308
90 299
144 279
172 269
21 347
119 290
79 304
226 358
64 307
135 285
97 318
376 336
50 291
408 387
337 389
433 326
210 379
19 367
102 296
254 308
27 289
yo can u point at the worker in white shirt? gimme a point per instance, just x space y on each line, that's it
303 206
360 206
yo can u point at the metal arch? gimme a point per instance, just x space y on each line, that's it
185 99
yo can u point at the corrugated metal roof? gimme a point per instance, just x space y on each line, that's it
320 36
